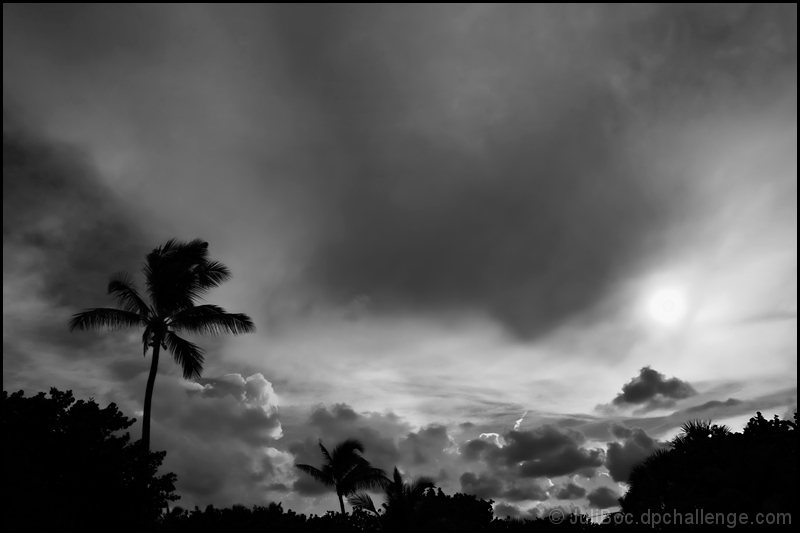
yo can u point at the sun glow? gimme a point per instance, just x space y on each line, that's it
667 306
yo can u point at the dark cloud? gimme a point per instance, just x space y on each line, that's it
603 498
484 486
61 221
308 486
636 445
474 449
546 451
570 459
502 484
570 491
425 446
505 510
712 405
525 490
652 390
378 433
520 200
537 443
128 370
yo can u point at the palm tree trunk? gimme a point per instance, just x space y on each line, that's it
341 501
148 395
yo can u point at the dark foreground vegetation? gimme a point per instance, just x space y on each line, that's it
69 465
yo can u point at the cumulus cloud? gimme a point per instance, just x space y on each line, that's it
545 451
426 445
570 491
484 486
652 390
227 431
378 433
603 498
253 391
502 484
569 460
520 468
636 445
505 510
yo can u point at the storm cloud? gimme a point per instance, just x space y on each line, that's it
525 212
60 220
652 390
635 446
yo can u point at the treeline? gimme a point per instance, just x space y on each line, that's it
68 465
443 513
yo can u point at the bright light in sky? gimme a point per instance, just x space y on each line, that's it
667 306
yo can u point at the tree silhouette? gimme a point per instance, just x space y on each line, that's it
177 274
66 466
709 467
346 470
403 507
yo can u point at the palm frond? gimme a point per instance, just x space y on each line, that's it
212 274
364 477
104 318
362 500
213 320
188 355
323 477
325 454
122 287
170 273
346 449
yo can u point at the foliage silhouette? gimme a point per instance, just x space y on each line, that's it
177 274
346 470
712 469
66 466
403 508
456 512
270 518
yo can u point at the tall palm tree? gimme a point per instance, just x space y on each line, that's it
177 275
403 505
346 470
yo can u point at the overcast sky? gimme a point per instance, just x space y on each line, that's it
511 247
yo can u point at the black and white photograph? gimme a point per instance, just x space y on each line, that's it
399 267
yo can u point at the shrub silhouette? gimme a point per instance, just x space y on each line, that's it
346 470
66 466
176 274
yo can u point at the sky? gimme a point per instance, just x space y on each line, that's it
509 247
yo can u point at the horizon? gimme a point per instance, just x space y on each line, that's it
511 248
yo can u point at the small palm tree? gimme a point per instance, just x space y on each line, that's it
176 275
403 505
346 470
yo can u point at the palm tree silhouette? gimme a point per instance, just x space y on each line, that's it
346 470
176 275
403 505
